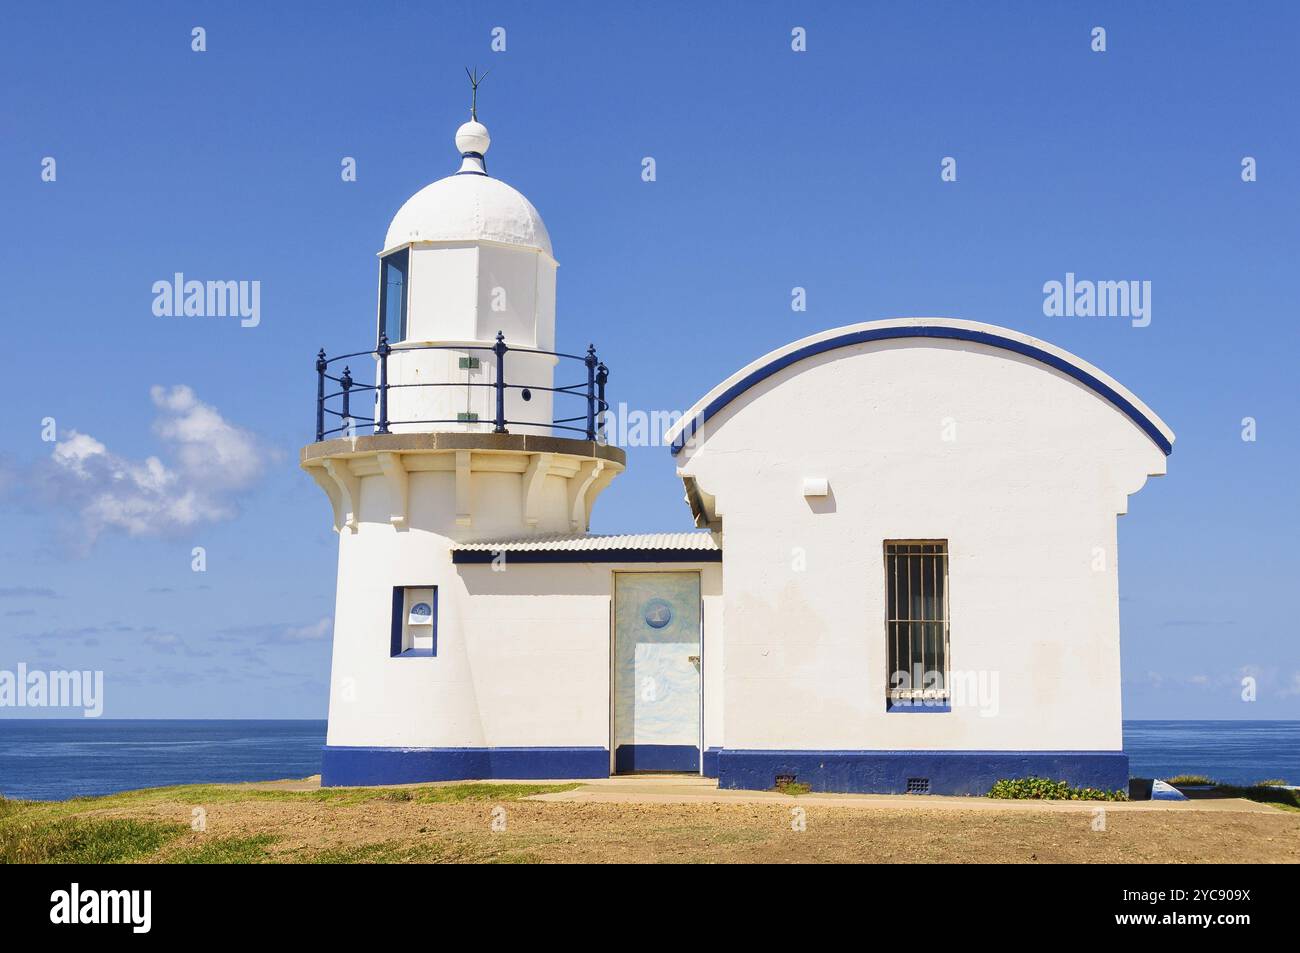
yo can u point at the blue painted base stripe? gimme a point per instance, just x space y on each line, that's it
629 758
369 766
877 772
887 772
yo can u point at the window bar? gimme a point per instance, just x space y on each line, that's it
891 567
940 578
900 627
939 654
925 616
893 615
911 613
947 665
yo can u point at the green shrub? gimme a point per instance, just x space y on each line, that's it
1178 779
1045 789
1271 783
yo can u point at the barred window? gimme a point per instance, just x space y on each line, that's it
916 626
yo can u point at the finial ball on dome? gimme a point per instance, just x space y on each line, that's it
473 137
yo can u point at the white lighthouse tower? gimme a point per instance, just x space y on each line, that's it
472 428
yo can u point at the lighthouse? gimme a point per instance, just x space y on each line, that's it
458 420
877 568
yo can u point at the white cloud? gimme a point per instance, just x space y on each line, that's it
204 442
210 462
310 633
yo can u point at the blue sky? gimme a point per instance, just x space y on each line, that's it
775 169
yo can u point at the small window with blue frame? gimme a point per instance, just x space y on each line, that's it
393 294
415 622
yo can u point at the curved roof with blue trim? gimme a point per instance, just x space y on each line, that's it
1119 396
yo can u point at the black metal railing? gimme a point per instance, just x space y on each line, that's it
338 404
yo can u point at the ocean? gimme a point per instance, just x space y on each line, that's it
53 759
57 759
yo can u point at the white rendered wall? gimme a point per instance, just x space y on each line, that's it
443 299
523 654
1026 494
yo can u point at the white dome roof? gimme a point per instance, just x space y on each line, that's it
469 206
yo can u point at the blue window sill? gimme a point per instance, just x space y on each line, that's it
920 706
417 653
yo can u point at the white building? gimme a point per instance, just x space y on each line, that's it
904 575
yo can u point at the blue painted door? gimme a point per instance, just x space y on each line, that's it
656 671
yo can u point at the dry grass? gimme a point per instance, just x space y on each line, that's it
454 823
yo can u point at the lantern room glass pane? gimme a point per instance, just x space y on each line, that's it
393 293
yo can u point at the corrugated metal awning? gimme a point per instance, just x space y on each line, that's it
582 547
